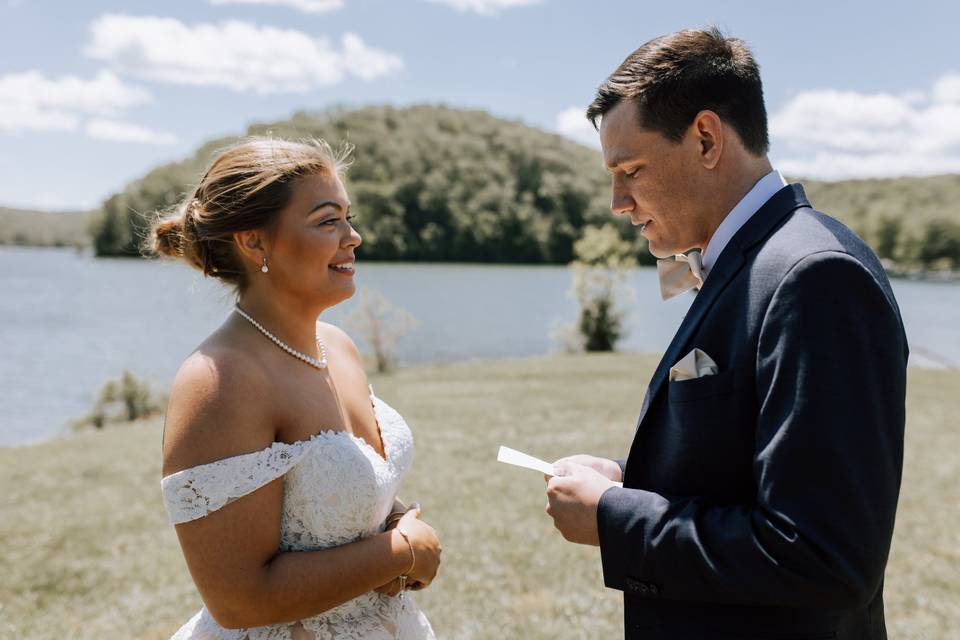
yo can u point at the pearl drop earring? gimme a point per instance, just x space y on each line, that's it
264 268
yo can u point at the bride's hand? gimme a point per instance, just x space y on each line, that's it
426 549
392 588
607 468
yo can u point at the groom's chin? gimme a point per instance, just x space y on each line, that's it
658 252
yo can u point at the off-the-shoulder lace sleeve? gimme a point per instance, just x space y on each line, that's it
198 491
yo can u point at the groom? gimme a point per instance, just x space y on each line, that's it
759 492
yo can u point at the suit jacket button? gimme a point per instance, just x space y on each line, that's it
654 590
643 588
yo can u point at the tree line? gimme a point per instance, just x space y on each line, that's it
28 228
910 222
432 183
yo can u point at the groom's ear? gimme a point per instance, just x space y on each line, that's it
708 130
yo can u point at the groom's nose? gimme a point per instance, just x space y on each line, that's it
621 202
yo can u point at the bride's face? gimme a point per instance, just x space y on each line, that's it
313 242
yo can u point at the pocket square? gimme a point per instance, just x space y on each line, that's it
695 364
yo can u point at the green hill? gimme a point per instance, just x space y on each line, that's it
912 222
44 228
434 183
429 183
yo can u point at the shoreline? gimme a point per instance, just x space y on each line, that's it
928 361
893 270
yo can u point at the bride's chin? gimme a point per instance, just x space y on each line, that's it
342 293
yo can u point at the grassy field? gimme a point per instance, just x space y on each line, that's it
86 550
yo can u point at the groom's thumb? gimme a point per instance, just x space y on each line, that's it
561 469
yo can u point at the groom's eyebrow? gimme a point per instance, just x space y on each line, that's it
617 160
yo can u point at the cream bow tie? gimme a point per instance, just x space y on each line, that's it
680 273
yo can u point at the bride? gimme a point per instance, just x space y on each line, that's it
281 468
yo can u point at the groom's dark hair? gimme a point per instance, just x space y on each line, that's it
674 77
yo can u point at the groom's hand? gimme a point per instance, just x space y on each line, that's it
572 499
604 466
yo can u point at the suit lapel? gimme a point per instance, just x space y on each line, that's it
723 272
729 263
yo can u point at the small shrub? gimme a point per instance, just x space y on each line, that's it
602 262
125 400
381 324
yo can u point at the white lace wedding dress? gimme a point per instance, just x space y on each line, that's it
337 489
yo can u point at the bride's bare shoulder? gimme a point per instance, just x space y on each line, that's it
220 406
336 339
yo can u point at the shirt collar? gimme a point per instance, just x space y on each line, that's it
738 216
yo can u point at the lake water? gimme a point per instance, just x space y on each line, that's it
69 322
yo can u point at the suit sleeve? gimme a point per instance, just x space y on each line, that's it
830 385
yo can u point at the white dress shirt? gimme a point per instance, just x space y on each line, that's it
738 216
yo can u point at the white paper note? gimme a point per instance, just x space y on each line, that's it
520 459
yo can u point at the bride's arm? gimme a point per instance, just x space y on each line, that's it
244 582
220 407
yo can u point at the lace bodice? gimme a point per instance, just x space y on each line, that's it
337 490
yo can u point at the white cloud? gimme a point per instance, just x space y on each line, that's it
947 88
572 123
832 134
837 166
486 7
20 118
306 6
30 101
238 55
105 93
366 62
118 131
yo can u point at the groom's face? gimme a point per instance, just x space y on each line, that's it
656 181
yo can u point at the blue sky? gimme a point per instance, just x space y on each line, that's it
95 93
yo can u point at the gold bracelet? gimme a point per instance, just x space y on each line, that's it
413 558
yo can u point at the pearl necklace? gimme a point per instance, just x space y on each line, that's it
313 362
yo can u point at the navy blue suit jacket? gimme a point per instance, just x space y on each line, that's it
759 502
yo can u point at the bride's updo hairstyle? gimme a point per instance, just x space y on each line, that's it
245 188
